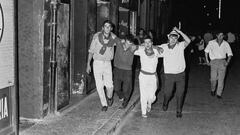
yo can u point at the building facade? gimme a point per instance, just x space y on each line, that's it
53 41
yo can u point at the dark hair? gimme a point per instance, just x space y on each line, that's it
217 32
147 37
141 29
130 38
107 21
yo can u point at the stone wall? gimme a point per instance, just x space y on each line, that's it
30 49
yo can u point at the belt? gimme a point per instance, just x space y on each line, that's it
148 73
220 59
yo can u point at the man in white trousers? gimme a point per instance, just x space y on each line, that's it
220 54
102 51
148 76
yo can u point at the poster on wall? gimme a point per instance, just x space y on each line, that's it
124 3
7 42
5 108
102 12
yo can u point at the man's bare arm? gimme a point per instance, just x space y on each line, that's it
185 37
90 56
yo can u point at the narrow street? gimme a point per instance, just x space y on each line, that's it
202 113
50 83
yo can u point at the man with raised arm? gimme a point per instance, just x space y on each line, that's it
174 68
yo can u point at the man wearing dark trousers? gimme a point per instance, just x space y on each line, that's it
174 68
122 74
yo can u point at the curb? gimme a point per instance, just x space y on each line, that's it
113 123
113 129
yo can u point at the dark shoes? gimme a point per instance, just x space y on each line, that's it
219 97
109 101
179 115
104 108
213 93
124 105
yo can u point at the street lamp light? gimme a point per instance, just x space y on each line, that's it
219 8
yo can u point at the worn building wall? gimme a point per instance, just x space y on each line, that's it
143 15
79 40
30 47
114 14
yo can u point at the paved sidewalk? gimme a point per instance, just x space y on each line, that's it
84 118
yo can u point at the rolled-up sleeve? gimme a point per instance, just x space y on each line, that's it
229 50
207 49
163 46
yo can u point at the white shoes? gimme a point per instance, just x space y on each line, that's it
121 99
144 115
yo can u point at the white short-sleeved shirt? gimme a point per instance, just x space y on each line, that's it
148 63
96 46
173 59
217 51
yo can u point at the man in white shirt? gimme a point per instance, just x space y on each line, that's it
217 50
102 51
147 76
174 68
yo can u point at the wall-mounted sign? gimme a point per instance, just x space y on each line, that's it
7 42
5 109
7 68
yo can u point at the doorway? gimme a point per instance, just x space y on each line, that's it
63 56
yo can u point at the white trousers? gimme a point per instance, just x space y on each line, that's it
148 87
102 71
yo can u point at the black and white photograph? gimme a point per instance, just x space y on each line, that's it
119 67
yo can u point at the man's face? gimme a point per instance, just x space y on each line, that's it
220 36
173 39
147 43
107 28
128 43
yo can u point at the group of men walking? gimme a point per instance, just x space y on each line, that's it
102 52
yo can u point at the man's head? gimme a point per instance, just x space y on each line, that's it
107 26
129 38
148 42
173 37
220 36
141 31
